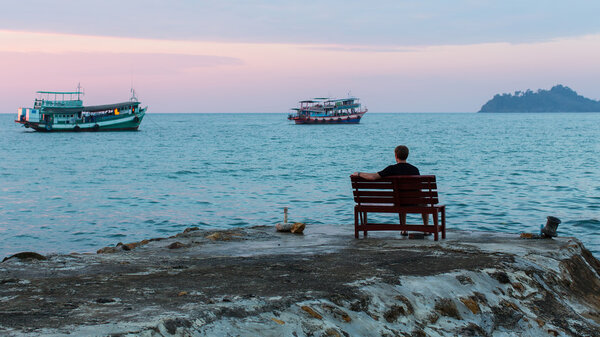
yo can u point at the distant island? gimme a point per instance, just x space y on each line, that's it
558 99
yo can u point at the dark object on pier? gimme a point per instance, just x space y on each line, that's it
416 236
26 256
397 194
551 225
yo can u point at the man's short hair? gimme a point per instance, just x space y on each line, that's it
401 152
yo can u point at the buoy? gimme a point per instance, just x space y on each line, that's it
96 127
136 119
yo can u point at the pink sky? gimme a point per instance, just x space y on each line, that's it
206 76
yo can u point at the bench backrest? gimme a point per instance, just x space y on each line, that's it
396 191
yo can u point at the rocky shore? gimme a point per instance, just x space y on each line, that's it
258 282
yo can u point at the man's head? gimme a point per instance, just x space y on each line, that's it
401 152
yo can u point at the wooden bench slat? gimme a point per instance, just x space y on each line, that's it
374 200
396 202
402 194
397 209
416 186
417 194
361 193
404 178
373 185
412 185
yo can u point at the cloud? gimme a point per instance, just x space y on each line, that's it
364 49
110 64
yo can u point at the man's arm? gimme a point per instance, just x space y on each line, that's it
366 175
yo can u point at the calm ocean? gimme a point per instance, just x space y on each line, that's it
65 192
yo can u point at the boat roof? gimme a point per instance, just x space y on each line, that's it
91 108
60 92
343 99
327 99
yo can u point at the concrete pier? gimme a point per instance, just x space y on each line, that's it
259 282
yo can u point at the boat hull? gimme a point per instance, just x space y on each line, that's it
126 123
350 119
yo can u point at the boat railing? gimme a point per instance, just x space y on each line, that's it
49 103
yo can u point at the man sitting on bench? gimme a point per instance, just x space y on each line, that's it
401 168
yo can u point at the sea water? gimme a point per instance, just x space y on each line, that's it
77 192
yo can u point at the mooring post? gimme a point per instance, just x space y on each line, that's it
285 215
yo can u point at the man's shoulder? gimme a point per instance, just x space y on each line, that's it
410 169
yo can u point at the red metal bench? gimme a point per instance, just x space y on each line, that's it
397 194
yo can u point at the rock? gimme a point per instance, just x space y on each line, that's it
109 250
278 321
408 306
171 325
418 333
24 256
298 228
501 277
9 280
311 312
471 304
463 279
131 245
518 286
479 297
338 313
215 236
103 300
392 315
332 332
433 318
190 229
473 330
361 304
176 245
509 304
506 315
446 307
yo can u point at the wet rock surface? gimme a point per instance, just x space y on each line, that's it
258 282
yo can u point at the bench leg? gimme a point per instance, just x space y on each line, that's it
435 226
355 223
443 222
365 224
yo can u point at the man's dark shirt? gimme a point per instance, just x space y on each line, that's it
400 169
